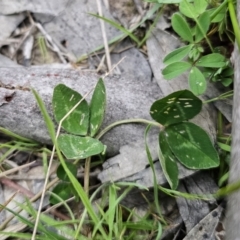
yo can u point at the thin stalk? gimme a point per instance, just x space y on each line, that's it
234 22
221 97
218 10
86 174
230 188
137 120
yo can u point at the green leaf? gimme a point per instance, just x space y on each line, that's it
176 107
194 54
175 69
168 162
188 9
202 26
63 190
178 54
228 72
197 81
192 146
200 49
213 60
47 119
200 5
218 14
64 99
181 27
61 174
75 147
224 147
226 81
97 107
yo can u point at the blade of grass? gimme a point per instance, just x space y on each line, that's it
64 203
118 26
7 153
152 26
234 22
81 193
219 9
175 193
122 36
155 185
30 224
16 136
47 119
111 209
19 235
79 189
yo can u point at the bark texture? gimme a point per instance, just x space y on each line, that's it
233 207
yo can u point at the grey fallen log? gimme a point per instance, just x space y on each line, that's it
128 96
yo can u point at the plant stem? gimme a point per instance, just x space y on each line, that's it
230 188
234 22
218 10
152 26
137 120
220 97
86 175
